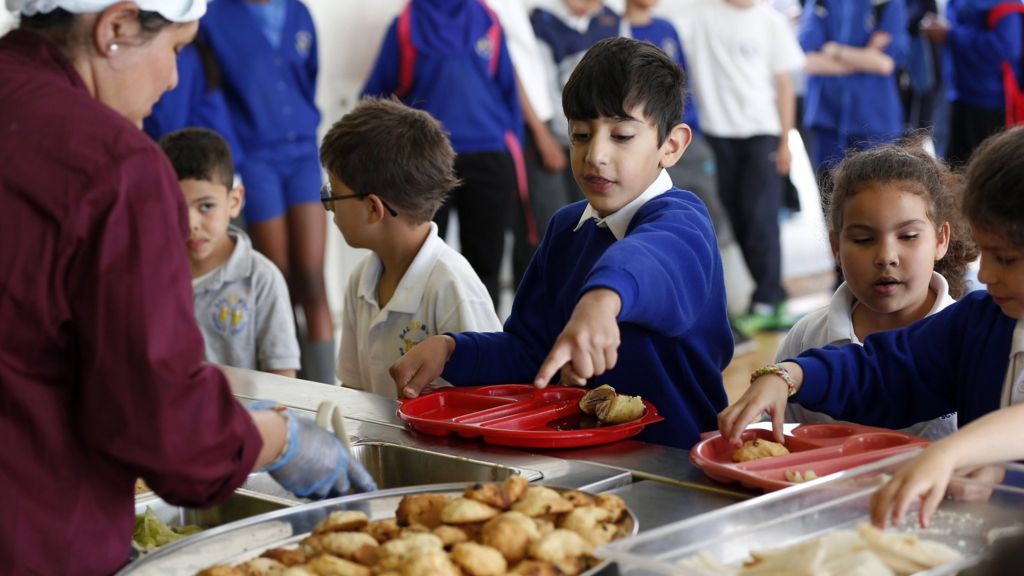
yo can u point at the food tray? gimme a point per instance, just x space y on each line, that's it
811 510
823 448
246 539
517 415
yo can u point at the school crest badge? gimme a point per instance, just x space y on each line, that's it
230 314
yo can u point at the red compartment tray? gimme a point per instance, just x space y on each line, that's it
515 415
823 448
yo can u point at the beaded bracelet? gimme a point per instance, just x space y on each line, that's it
777 370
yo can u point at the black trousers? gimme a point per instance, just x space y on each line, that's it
751 192
483 204
969 126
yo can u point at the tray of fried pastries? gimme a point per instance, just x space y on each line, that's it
808 452
525 416
823 528
511 527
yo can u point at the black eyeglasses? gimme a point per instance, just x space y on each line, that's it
328 198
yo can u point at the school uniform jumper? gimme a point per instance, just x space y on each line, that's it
666 269
245 313
858 110
270 91
478 106
439 293
101 369
833 325
953 361
193 102
974 55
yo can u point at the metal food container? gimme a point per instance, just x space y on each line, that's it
246 539
836 502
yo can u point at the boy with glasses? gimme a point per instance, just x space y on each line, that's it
240 298
389 169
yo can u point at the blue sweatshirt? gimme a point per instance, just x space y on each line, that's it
953 361
974 53
271 92
452 79
663 34
193 103
864 105
675 336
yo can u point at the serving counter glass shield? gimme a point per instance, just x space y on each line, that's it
813 509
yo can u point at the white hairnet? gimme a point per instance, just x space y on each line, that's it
173 10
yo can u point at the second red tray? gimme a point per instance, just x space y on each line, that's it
821 448
516 415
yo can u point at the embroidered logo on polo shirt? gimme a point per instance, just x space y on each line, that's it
303 42
230 314
413 333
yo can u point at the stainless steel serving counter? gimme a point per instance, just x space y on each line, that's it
658 483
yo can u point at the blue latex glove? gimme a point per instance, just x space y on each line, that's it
315 464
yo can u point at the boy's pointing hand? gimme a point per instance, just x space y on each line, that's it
589 341
422 365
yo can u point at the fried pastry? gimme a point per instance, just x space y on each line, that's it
450 535
578 498
262 567
535 568
466 511
350 546
499 496
342 521
221 570
615 506
510 533
540 500
563 548
479 560
759 448
620 409
430 563
422 509
592 399
383 530
327 565
286 556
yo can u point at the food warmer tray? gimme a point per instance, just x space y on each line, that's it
810 510
245 539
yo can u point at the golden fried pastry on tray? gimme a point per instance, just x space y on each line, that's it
479 560
611 407
594 398
422 509
758 448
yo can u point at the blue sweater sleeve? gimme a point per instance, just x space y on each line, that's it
663 269
983 46
812 34
894 23
383 79
897 378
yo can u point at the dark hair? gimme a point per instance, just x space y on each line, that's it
401 154
58 25
618 74
927 177
994 194
200 154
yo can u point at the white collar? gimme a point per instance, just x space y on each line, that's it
618 222
840 309
578 23
1018 339
409 293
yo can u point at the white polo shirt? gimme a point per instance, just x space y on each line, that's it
439 293
833 324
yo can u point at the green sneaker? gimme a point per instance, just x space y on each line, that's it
753 323
782 318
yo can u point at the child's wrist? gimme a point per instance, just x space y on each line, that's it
780 372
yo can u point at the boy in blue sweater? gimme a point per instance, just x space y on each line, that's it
626 288
968 358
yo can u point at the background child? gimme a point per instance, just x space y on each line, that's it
990 439
267 51
240 297
896 232
397 164
742 55
431 47
969 358
626 288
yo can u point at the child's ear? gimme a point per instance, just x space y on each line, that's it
676 142
236 199
942 241
377 209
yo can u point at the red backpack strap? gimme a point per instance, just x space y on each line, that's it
1014 96
406 52
494 34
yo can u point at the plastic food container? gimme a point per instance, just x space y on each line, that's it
517 415
819 448
246 539
812 510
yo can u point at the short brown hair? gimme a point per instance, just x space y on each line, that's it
994 195
200 154
926 177
403 155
